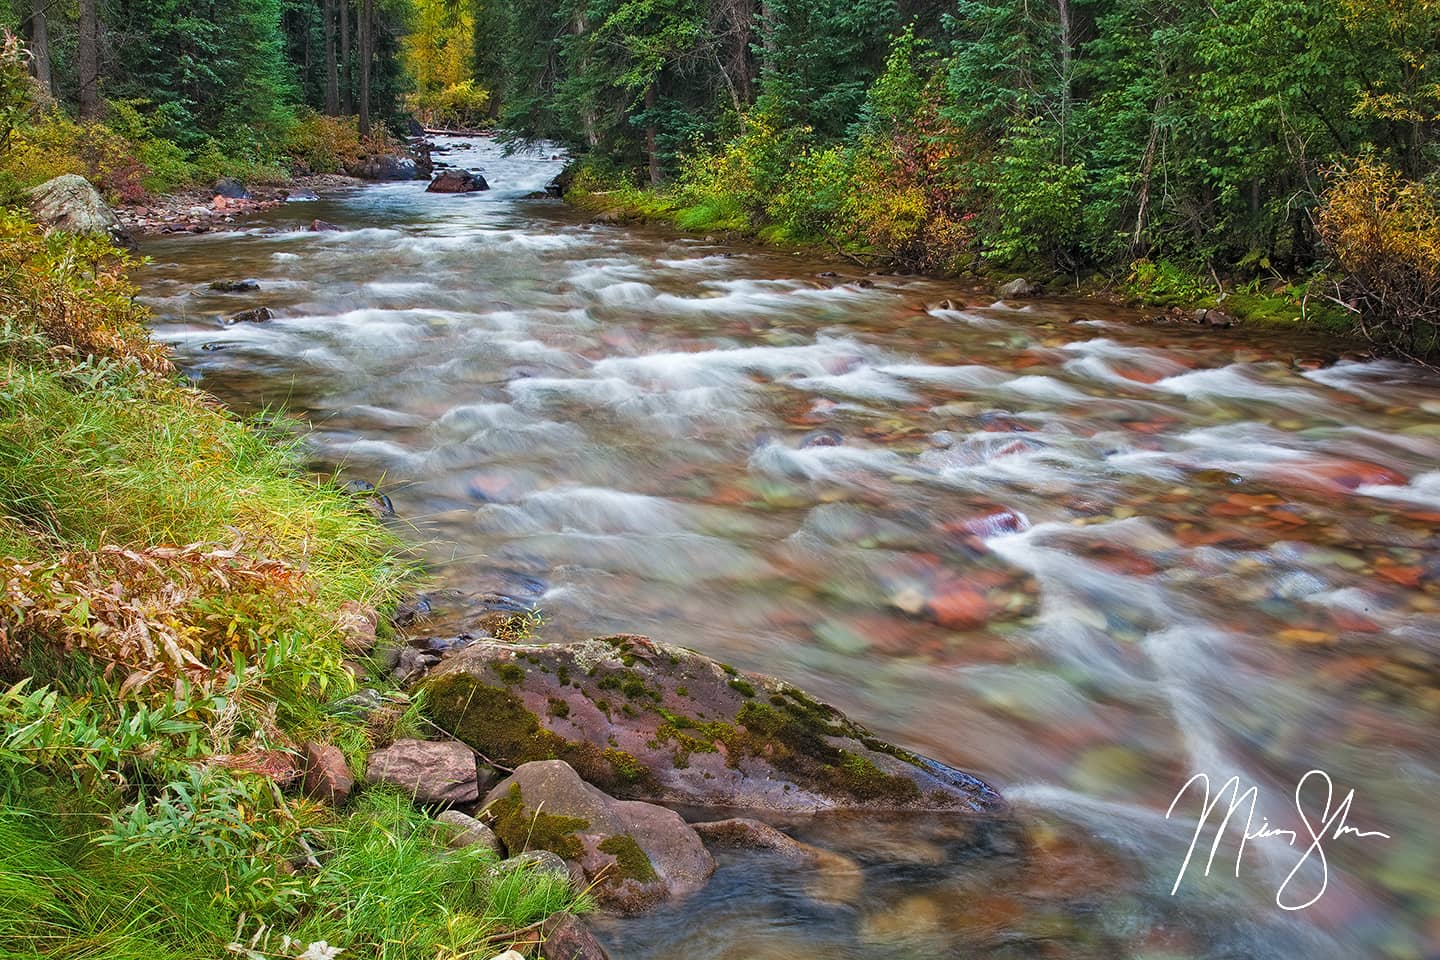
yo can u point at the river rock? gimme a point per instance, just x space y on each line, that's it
430 772
630 854
646 720
464 830
537 861
235 286
457 181
565 937
324 226
357 624
1018 288
833 877
70 204
257 315
387 167
230 189
327 774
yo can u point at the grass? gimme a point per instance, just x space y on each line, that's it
387 887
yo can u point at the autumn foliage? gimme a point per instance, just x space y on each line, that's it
1384 230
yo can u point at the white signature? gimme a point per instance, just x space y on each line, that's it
1331 825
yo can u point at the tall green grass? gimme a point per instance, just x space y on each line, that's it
386 887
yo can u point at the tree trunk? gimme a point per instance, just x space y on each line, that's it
650 137
87 58
367 30
580 27
40 45
347 79
1067 74
332 72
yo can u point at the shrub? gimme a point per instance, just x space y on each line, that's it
325 144
17 90
1039 201
463 106
73 292
1385 233
53 144
736 183
166 163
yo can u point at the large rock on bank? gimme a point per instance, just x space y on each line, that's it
646 720
70 204
630 854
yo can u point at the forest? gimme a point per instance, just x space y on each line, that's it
1167 151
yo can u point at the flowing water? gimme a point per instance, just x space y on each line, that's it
1082 557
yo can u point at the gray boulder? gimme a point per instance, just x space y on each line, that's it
1018 288
464 830
388 167
70 204
633 855
430 772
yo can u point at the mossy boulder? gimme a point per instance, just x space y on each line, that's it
632 855
645 720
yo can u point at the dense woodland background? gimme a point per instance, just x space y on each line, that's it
1174 148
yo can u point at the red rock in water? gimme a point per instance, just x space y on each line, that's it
1334 476
457 181
957 605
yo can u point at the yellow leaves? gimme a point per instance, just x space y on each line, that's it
1385 231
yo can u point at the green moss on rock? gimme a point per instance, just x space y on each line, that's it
631 862
524 830
496 722
744 687
510 673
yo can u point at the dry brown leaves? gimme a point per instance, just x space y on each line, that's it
157 614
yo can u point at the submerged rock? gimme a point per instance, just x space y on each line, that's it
631 854
457 181
235 286
833 877
647 720
70 204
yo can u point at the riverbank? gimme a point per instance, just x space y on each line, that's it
1168 294
210 210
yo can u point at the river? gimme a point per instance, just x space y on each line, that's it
1080 556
